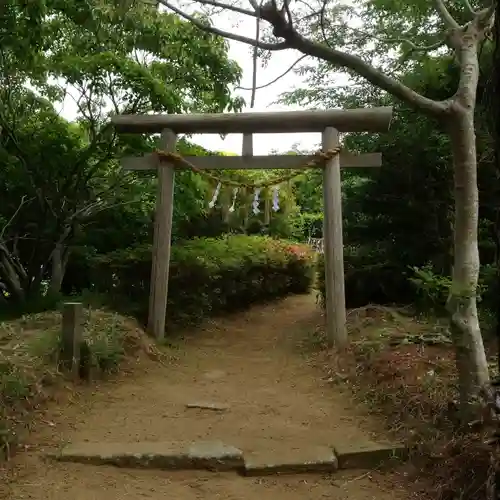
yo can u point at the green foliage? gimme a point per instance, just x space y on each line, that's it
309 191
370 278
209 276
20 35
488 287
14 384
400 217
307 225
117 57
140 58
105 338
432 290
61 180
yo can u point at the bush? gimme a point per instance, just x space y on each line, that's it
369 279
208 276
431 289
488 283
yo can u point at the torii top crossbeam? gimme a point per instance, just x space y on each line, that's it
344 120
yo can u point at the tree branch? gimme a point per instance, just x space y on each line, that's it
9 222
417 48
286 7
222 33
469 8
255 57
486 16
401 40
322 22
294 40
268 84
370 73
445 15
233 8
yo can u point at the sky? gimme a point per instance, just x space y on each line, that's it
265 99
263 143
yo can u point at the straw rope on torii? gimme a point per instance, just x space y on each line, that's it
318 159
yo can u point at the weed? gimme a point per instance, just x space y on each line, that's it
29 351
105 338
403 367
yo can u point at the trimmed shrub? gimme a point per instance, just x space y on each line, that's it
208 276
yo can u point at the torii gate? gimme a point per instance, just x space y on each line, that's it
330 123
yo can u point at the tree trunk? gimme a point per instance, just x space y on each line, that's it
472 366
12 279
495 132
471 361
59 261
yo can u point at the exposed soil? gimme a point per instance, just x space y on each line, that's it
249 362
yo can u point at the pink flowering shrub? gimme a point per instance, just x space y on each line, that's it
209 275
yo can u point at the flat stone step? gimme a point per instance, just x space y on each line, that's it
368 454
203 455
293 461
218 456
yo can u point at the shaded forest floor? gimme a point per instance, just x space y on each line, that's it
277 396
402 369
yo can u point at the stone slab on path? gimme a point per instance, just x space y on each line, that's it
218 456
202 455
368 454
293 461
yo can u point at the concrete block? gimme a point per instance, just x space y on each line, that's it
368 454
211 455
293 461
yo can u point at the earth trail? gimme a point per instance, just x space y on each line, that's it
249 362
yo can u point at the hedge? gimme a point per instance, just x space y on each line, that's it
208 276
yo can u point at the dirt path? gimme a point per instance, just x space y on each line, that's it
250 363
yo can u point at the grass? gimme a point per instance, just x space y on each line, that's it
29 352
403 368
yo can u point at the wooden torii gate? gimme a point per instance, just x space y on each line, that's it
330 123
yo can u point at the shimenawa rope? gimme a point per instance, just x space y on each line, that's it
319 158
